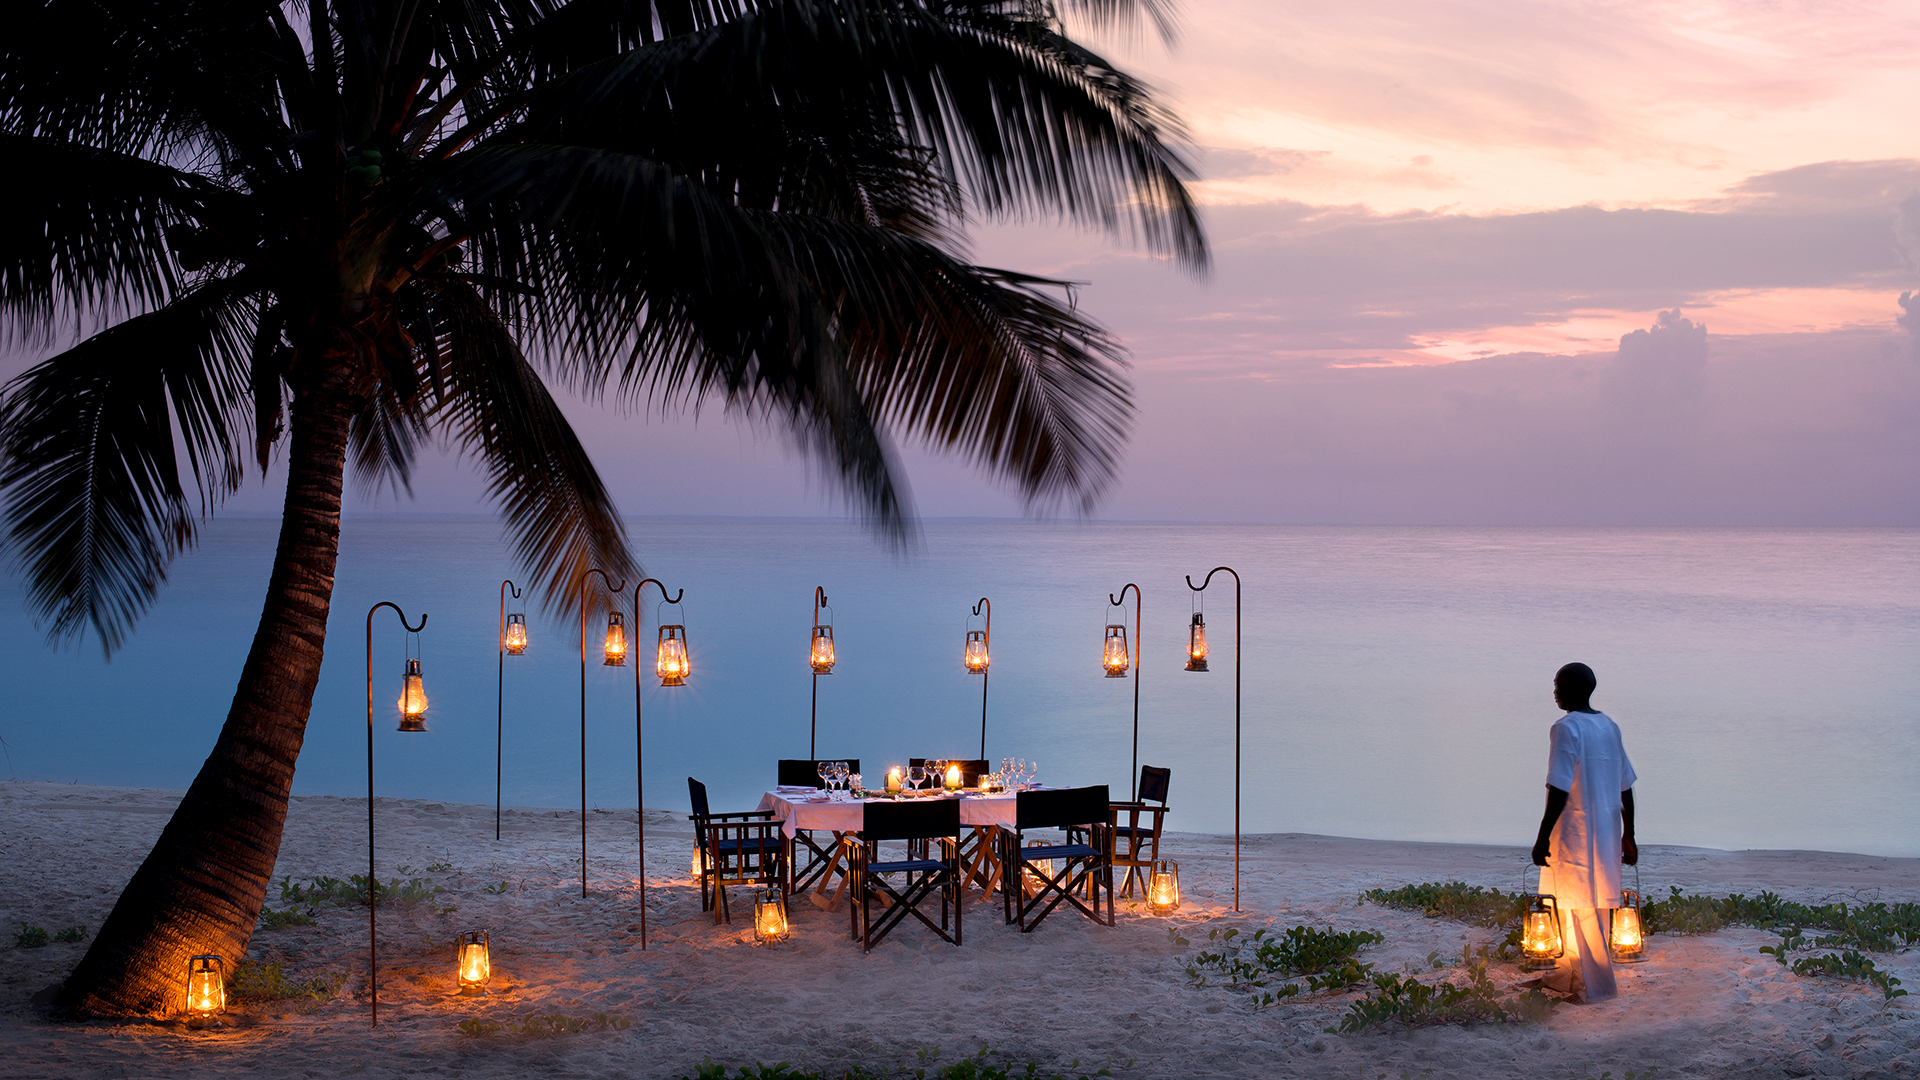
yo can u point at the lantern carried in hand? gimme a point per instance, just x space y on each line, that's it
413 699
769 917
616 648
1113 655
475 962
670 659
1628 939
206 988
1163 888
1540 944
821 656
1197 643
514 640
976 655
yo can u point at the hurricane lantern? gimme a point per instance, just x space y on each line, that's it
1030 872
1540 943
1629 942
699 867
976 652
616 648
1114 656
1197 643
515 638
206 987
671 658
475 962
413 699
955 779
822 655
1163 888
769 917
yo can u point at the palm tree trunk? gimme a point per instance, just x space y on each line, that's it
201 888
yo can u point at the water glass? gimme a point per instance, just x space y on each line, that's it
916 775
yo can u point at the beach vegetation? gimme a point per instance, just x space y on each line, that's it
1268 965
31 937
262 981
353 891
1408 1002
280 920
321 235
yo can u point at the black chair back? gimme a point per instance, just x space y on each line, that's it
697 794
910 821
1153 784
970 771
799 772
1059 809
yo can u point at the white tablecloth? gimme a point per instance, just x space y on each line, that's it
796 813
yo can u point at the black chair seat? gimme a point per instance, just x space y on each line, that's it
1060 851
728 847
905 866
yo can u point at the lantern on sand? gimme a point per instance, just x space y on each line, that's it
1163 888
1197 643
976 655
413 699
475 962
670 659
1030 872
1628 938
206 988
769 917
515 638
1113 655
616 648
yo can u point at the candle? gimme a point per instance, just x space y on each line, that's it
893 780
953 778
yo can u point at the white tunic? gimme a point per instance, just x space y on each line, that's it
1588 762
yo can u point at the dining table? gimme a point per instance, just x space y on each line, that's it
801 809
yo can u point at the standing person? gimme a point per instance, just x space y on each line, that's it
1585 835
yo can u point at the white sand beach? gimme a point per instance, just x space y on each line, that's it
1070 992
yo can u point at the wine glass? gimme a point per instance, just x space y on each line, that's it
1033 774
824 770
916 775
841 771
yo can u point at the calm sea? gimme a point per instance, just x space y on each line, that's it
1395 681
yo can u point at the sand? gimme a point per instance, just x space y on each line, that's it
1070 992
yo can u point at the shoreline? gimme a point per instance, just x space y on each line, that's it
1069 991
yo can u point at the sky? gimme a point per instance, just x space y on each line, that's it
1474 263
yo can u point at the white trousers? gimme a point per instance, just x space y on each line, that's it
1586 965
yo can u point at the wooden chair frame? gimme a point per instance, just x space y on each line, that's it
918 824
734 849
1086 867
1132 838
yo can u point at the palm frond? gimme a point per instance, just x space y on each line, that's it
95 504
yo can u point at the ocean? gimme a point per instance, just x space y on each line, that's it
1395 681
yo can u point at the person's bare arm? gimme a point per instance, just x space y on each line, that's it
1556 802
1629 851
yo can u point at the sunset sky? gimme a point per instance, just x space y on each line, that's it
1433 225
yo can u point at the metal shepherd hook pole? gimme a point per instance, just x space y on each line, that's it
1138 630
813 718
1236 717
499 708
984 673
639 755
373 886
583 711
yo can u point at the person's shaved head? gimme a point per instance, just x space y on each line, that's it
1573 686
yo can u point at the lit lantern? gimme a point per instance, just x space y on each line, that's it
1114 656
206 988
616 641
1163 888
769 918
976 652
955 781
822 655
699 868
515 639
413 699
1197 643
1030 878
894 782
1628 939
1540 943
671 660
475 962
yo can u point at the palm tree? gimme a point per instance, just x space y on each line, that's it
339 251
